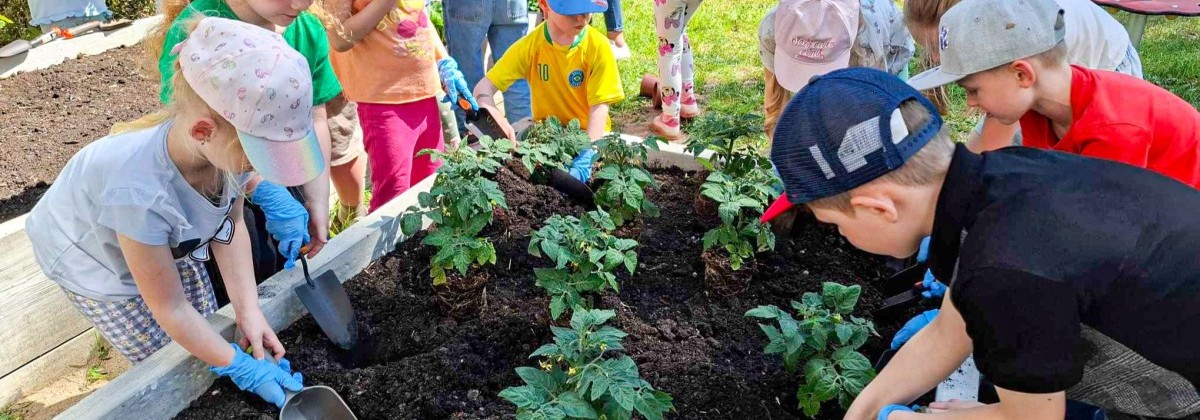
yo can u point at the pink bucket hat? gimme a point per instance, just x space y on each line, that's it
263 87
813 37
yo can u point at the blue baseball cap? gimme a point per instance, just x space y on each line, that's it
578 7
841 131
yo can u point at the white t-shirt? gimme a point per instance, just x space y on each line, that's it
1094 38
124 184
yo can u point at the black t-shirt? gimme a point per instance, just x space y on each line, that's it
1056 260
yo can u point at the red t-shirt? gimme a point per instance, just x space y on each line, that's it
1126 119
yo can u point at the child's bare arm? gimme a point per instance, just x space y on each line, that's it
237 271
597 121
1012 406
994 135
928 358
157 279
350 27
485 92
316 192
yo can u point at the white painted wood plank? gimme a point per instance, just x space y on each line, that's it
46 369
35 315
56 52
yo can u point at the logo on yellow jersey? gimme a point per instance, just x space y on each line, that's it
576 78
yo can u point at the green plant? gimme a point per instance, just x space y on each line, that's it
551 144
95 374
623 193
586 256
826 340
739 202
735 141
595 384
460 204
4 21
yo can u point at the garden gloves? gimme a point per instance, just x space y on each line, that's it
287 219
262 377
455 84
581 167
934 289
912 327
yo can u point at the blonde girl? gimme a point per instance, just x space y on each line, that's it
127 224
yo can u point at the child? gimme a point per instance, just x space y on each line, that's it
500 23
676 73
1012 65
569 65
124 228
867 33
393 65
1093 39
286 220
1071 277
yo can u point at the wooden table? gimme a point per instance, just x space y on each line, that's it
1143 9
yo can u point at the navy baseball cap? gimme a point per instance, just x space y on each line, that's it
841 131
578 7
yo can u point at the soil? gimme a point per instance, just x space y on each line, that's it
50 114
699 347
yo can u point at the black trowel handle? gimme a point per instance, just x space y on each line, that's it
304 263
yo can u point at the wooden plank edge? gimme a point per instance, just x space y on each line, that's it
57 52
168 381
47 368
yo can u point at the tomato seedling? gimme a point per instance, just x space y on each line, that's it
586 257
624 178
740 200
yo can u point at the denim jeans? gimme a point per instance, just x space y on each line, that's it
614 19
502 23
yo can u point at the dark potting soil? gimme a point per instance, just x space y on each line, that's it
696 346
50 114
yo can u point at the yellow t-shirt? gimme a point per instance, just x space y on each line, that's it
564 82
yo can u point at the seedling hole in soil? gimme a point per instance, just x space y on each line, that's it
695 345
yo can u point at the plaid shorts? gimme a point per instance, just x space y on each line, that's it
128 324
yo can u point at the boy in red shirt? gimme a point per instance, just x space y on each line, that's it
1014 67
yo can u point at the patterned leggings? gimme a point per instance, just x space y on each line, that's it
128 324
675 65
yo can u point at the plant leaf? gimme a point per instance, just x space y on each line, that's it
574 406
538 379
526 397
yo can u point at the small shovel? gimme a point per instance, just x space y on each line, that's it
315 403
326 300
21 45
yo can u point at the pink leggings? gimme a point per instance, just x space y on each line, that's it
392 135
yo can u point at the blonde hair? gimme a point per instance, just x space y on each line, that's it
921 15
927 166
185 104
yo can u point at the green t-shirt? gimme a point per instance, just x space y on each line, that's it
305 34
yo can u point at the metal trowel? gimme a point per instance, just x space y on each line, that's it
315 403
328 303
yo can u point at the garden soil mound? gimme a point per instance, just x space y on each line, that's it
50 114
696 346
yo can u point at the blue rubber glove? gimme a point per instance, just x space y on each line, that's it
287 220
887 411
911 328
923 251
933 287
262 377
454 83
581 167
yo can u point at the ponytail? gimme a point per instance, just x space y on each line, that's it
153 46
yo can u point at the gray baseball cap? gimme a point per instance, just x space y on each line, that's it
979 35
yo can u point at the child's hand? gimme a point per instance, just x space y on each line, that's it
258 335
267 378
287 220
455 84
318 233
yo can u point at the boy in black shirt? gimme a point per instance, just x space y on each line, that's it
1070 277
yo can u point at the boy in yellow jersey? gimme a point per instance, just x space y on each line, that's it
569 65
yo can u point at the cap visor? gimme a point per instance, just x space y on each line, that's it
793 75
577 7
287 163
933 78
780 206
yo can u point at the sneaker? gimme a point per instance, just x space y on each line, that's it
691 110
619 52
667 127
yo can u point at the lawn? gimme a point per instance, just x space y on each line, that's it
724 37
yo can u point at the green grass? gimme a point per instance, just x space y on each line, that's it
724 38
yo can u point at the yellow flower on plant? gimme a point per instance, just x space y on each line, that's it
545 365
571 372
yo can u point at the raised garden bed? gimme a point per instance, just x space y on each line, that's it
696 346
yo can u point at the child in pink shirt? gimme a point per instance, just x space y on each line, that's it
390 60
